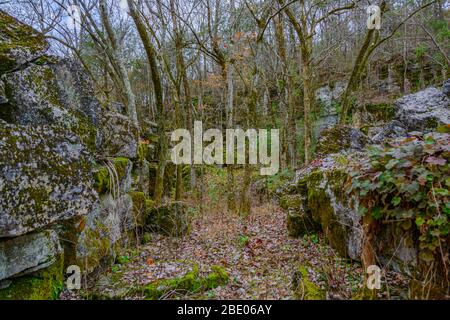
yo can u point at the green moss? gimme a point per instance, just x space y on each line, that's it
191 282
86 131
291 202
304 288
321 208
98 245
216 278
101 180
17 36
121 165
44 284
102 177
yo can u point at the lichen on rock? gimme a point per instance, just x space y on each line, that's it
45 176
19 43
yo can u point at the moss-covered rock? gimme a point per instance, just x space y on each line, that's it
289 201
104 232
19 43
339 138
28 253
120 136
44 284
191 282
46 177
304 288
118 171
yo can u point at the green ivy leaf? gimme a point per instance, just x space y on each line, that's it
376 213
396 201
419 221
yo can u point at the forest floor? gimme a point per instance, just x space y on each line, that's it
256 252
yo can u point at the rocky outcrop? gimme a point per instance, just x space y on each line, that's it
65 169
423 111
339 138
44 177
316 199
120 136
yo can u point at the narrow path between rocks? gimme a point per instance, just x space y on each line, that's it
257 253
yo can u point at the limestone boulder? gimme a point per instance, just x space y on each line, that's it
423 111
339 138
28 253
45 176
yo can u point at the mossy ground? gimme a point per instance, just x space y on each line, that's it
192 283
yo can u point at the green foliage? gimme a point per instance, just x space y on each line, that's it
408 182
123 259
243 240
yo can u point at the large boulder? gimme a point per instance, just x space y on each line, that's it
45 176
322 204
19 43
28 253
325 206
423 111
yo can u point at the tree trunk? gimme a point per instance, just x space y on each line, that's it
157 88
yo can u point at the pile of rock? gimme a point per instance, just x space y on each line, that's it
316 200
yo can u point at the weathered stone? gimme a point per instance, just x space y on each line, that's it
423 111
340 138
44 284
393 129
51 94
19 43
28 253
76 90
291 202
120 136
45 176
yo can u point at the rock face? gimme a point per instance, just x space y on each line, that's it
316 199
321 204
30 253
120 136
424 110
65 169
44 177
